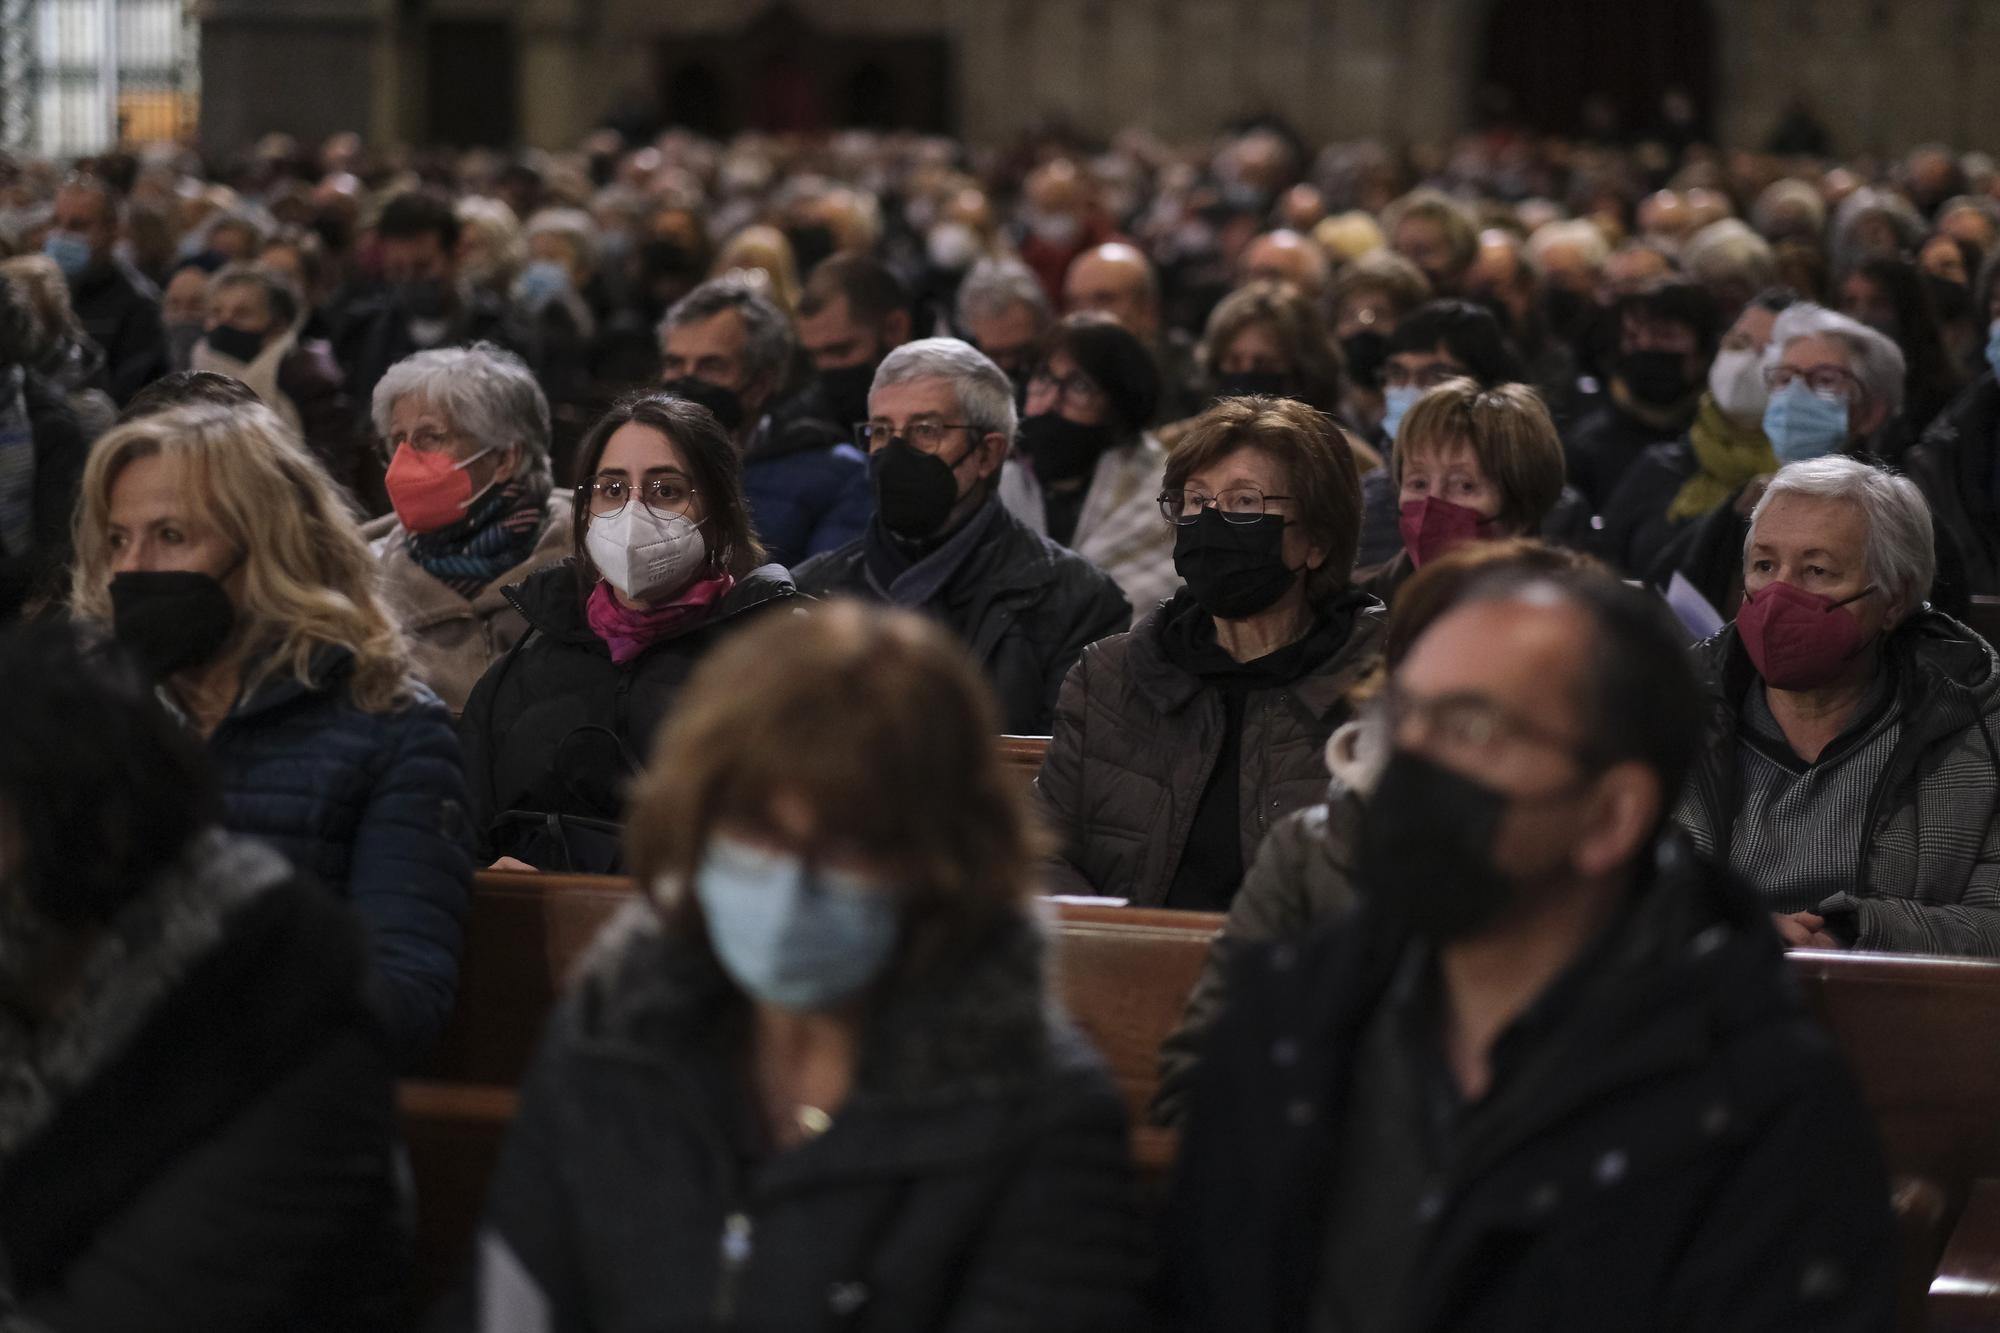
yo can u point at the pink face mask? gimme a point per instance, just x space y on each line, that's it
1799 640
429 491
1431 526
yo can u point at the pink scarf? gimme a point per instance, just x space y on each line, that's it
627 633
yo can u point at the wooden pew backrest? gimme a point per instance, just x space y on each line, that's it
1022 756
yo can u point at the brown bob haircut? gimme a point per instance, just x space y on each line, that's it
878 723
1296 324
1318 458
711 458
1510 433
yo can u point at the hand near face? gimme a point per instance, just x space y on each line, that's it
1804 930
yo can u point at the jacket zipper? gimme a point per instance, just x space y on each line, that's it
737 1244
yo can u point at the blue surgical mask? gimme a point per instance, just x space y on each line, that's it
71 252
1395 403
540 283
1801 424
790 936
1993 346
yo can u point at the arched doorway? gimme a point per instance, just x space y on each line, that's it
1602 68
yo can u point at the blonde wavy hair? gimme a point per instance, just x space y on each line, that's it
309 582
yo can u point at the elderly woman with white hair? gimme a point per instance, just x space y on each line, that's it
1851 774
465 433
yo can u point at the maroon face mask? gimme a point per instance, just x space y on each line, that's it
1430 527
1796 639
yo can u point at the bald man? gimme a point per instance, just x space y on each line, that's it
1286 256
1117 280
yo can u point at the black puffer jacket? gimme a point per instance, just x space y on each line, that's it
206 1139
978 1177
1025 606
556 727
1137 738
1650 1177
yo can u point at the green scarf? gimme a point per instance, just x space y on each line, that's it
1727 457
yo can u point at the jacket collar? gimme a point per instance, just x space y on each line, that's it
1169 688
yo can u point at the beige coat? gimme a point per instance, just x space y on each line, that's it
454 639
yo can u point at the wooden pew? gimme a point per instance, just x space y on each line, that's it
1023 756
1920 1034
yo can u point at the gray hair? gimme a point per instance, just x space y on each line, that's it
984 394
279 294
1868 202
994 286
1580 234
483 390
1872 358
767 350
1729 251
573 226
1901 552
1788 195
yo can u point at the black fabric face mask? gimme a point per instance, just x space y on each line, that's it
170 619
1060 449
1426 852
1246 383
1658 379
811 243
1366 352
234 343
425 298
1233 570
845 392
725 403
914 491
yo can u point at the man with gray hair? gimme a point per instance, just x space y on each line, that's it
941 422
1851 773
1004 312
727 346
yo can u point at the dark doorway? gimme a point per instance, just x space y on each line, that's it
783 73
1603 68
471 69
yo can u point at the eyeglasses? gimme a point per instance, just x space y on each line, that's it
668 497
925 435
1079 393
1238 504
425 440
1428 377
1465 724
1826 381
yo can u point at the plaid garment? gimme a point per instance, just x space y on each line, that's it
1120 530
17 466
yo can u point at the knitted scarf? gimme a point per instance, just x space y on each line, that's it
496 534
628 633
1727 456
17 466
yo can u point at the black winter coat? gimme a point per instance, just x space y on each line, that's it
120 310
60 451
978 1177
214 1146
556 727
1024 605
1953 465
1695 1158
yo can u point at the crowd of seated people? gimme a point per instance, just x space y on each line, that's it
1524 594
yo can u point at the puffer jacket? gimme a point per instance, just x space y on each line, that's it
203 1139
977 1178
1641 1170
1927 858
807 488
1025 606
1137 739
372 805
1953 466
556 727
454 639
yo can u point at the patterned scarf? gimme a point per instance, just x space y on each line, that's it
628 633
17 466
496 534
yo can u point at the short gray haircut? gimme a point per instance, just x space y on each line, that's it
767 349
994 286
485 391
1580 234
1901 553
984 394
1872 358
1730 251
1790 195
573 226
279 295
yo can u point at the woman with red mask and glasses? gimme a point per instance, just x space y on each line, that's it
465 434
1852 770
1471 464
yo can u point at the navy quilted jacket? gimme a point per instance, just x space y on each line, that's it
804 501
372 804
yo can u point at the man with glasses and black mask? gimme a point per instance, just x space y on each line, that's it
727 346
1549 1073
941 423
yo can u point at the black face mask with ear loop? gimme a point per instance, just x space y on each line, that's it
915 492
1233 570
171 620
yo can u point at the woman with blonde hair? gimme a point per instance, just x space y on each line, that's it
815 1080
763 250
220 555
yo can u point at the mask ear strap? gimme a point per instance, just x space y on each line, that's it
1857 597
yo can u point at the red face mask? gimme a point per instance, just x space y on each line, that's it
429 491
1430 527
1796 639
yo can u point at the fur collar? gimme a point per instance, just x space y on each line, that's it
971 1028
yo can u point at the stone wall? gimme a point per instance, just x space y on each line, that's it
1882 74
